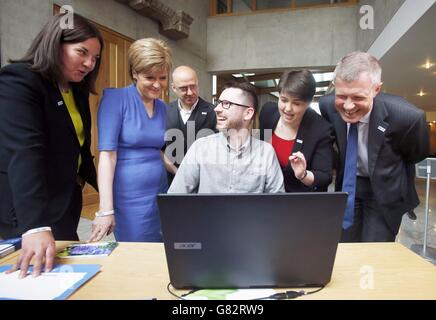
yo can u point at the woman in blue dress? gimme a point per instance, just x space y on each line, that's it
131 128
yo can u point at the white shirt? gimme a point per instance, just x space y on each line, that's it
185 114
211 165
362 145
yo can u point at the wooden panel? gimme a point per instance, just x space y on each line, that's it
253 5
432 129
113 74
213 5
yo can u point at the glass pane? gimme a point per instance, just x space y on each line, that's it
221 6
272 4
241 6
265 84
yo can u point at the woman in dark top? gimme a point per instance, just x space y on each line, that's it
301 138
45 138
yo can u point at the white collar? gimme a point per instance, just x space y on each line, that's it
179 103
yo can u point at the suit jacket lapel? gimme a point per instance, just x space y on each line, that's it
376 131
341 135
302 132
199 114
271 122
275 119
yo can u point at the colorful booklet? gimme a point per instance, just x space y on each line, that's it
96 249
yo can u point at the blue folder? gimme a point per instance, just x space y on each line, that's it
15 241
90 270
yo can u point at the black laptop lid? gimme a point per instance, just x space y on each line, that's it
251 240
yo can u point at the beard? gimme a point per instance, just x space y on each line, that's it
230 125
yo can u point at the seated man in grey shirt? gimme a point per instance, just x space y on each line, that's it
231 161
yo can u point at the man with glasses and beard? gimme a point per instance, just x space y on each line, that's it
231 161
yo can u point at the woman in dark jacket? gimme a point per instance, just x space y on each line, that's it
45 137
301 137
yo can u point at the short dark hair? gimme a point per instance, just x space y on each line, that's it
248 89
44 54
298 83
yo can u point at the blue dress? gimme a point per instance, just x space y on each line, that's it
124 126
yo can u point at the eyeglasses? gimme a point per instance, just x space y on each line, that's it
192 87
225 104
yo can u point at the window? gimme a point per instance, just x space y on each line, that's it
223 7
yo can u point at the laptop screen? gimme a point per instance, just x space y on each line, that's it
251 240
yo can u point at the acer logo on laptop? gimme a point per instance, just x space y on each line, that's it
187 245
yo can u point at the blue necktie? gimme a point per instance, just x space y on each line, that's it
350 173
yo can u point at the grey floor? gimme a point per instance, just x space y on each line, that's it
84 231
411 232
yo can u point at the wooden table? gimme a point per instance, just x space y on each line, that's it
361 271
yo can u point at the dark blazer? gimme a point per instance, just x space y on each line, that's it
203 117
314 140
39 151
397 139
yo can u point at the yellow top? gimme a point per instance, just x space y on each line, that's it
76 118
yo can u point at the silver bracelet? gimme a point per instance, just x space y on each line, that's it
36 230
104 213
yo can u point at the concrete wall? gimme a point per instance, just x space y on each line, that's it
21 20
193 50
384 10
311 37
302 38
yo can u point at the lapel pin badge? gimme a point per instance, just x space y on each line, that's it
299 141
204 113
60 103
381 128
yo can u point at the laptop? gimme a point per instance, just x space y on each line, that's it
277 240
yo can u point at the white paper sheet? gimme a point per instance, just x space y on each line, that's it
47 286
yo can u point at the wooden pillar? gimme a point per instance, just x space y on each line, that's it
253 5
229 6
213 6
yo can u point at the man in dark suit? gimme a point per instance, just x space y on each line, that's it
391 135
188 118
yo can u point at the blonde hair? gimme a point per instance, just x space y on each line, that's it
146 54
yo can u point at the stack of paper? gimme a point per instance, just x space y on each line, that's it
6 249
9 245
